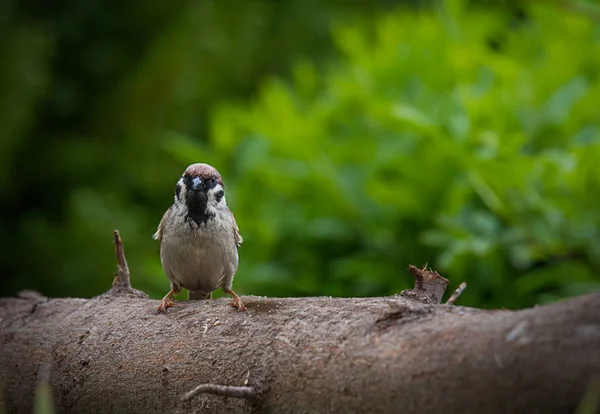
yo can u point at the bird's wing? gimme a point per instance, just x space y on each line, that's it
159 231
237 237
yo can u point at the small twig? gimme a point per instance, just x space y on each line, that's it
246 392
122 282
122 278
459 290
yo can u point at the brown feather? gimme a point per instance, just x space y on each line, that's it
159 230
204 171
237 237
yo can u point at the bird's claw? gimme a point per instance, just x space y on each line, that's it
237 303
164 304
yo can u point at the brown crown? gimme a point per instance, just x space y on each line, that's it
203 171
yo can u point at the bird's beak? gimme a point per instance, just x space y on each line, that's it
196 184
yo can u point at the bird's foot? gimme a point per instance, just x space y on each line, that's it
168 300
164 304
236 302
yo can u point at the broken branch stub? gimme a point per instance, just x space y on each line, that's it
429 285
122 281
123 277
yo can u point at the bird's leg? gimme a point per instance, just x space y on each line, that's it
169 299
237 302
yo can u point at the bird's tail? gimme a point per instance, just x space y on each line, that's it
198 295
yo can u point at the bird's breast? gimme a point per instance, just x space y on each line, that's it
199 258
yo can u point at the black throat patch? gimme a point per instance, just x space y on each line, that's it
197 204
197 213
198 217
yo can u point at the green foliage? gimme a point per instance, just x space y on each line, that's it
89 92
462 137
446 137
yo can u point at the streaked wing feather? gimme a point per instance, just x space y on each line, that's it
159 231
237 237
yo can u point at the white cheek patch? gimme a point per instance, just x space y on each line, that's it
179 192
216 195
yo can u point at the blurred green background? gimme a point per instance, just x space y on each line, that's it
354 138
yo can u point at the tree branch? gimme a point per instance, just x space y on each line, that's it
388 354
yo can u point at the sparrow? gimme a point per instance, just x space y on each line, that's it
199 238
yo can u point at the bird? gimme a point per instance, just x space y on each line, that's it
199 238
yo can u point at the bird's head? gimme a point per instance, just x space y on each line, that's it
200 189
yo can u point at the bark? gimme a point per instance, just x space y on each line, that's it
115 353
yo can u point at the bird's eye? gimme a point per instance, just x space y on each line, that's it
211 183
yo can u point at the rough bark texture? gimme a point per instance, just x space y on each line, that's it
405 353
392 354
